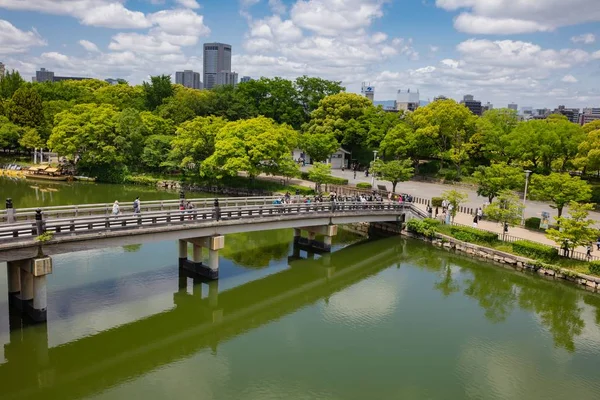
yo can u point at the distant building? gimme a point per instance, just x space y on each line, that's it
588 115
526 111
2 70
112 81
227 78
472 104
487 107
368 91
189 79
245 79
513 106
70 78
407 100
387 105
572 114
44 75
217 58
440 97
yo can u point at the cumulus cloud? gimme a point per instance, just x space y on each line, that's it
89 46
587 38
103 13
188 3
512 17
14 40
569 79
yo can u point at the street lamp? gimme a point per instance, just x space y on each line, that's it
372 173
527 173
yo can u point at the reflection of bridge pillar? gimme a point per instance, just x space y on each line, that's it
14 281
213 293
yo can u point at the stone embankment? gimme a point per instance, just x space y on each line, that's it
239 192
518 263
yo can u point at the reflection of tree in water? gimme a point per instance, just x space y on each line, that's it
132 248
560 311
257 249
498 292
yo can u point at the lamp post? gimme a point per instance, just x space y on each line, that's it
372 173
527 173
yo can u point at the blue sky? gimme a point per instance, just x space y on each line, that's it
538 53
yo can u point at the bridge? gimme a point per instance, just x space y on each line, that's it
29 259
89 365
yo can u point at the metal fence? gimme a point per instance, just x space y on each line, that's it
575 255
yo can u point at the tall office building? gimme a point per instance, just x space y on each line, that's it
44 75
245 79
217 58
513 106
188 79
472 104
227 78
368 91
2 70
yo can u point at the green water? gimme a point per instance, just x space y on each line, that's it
380 319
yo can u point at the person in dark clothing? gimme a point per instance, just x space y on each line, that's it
217 210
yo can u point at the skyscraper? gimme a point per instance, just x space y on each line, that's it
188 79
2 70
227 78
217 58
472 104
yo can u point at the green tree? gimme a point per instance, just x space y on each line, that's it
186 104
393 171
155 125
31 139
132 132
25 109
256 145
449 126
591 126
343 116
319 173
319 146
156 151
11 82
228 103
577 230
379 123
157 90
496 178
559 188
312 90
195 140
508 210
121 96
588 156
495 126
9 134
403 142
455 198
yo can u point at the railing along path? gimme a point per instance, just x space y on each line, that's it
95 224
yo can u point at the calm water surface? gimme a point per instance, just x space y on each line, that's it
381 319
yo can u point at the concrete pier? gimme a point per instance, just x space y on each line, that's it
27 286
327 231
196 264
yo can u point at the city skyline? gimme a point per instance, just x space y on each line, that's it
497 51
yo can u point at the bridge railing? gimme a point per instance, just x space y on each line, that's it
92 224
81 210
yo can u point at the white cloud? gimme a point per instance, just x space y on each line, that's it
89 46
569 79
180 22
524 16
188 3
141 44
14 40
587 38
330 17
434 49
104 13
277 7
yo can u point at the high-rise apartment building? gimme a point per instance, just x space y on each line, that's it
472 104
2 70
227 78
245 79
43 75
513 106
407 100
217 58
188 79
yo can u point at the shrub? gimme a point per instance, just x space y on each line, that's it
142 180
337 181
436 201
533 223
535 250
594 267
473 235
429 168
304 175
364 185
426 227
449 175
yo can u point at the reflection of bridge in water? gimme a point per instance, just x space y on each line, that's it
92 364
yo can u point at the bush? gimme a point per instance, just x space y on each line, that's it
426 227
450 175
535 250
304 175
533 223
337 181
594 267
436 201
364 185
473 235
429 168
142 180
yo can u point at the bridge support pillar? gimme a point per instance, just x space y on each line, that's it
196 264
183 249
327 231
27 286
14 281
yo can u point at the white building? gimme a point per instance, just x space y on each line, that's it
337 160
407 100
368 91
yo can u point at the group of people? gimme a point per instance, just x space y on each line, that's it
116 208
338 198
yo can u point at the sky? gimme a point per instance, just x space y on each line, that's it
538 53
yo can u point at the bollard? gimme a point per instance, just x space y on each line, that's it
39 222
10 211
